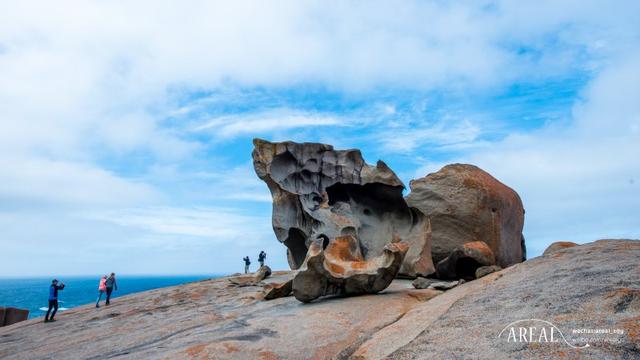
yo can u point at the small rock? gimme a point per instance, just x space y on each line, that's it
444 285
424 294
278 290
557 246
486 270
423 283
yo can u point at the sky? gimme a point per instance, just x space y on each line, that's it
126 127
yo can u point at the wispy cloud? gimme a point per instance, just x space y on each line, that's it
230 126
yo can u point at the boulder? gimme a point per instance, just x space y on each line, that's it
464 260
445 285
2 313
486 270
340 269
322 193
278 290
14 315
465 204
252 279
557 246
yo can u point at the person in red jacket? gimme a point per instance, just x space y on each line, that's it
102 288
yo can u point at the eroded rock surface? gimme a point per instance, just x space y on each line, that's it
322 193
340 269
466 204
591 286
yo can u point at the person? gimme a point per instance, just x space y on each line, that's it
102 287
261 257
53 299
247 262
111 285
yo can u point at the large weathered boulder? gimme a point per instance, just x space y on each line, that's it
464 260
340 269
322 193
466 204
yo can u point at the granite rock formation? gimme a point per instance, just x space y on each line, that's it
340 269
466 204
464 260
590 286
322 193
557 246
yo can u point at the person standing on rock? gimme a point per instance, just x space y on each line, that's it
102 287
110 285
247 262
53 299
261 257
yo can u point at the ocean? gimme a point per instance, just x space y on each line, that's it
33 293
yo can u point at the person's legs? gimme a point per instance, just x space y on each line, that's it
55 309
99 297
46 317
109 290
246 269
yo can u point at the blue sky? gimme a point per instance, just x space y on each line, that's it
125 129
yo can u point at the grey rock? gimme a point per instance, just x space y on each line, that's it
486 270
322 193
466 204
444 285
423 283
340 269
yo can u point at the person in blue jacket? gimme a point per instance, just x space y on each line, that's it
53 299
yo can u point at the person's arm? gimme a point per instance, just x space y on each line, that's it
115 284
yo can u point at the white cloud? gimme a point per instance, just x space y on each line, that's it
89 92
578 182
266 122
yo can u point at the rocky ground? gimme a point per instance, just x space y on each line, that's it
592 286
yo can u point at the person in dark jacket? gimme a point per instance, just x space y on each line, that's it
247 262
53 300
111 285
261 257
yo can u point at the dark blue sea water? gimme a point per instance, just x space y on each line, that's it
33 293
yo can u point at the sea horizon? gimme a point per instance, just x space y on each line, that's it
31 292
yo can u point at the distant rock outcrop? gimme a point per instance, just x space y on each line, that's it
466 204
557 246
322 193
